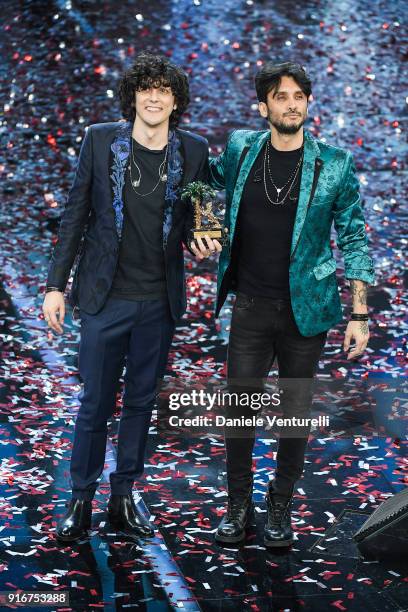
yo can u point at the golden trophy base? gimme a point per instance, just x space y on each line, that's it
219 234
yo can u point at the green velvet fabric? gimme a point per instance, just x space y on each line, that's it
313 286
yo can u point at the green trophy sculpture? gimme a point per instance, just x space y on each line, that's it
205 221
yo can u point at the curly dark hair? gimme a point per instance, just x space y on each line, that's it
147 71
269 78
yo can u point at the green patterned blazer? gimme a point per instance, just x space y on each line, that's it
329 192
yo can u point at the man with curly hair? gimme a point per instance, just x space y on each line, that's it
125 207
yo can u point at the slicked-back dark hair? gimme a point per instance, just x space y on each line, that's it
147 71
269 77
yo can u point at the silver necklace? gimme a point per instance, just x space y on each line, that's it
282 201
135 182
279 189
292 178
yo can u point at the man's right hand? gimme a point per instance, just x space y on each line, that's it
201 250
54 310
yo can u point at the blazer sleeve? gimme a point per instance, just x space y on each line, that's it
350 226
201 175
74 218
218 167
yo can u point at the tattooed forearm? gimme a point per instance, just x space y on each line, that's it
364 328
359 292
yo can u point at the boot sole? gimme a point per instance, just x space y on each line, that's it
135 534
230 539
278 544
74 539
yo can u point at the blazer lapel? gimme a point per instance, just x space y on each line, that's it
310 172
174 177
120 149
243 175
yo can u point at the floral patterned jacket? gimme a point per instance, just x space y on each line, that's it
91 224
329 192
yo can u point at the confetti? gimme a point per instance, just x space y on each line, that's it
63 66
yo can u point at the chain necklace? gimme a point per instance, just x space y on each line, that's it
267 152
135 182
293 176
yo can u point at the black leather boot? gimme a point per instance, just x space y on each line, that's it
278 529
124 516
76 522
232 527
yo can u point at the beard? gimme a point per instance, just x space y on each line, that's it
286 128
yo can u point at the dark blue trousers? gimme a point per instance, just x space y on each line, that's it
137 334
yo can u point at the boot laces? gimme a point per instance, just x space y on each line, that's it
235 507
278 510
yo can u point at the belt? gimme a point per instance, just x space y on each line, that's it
277 303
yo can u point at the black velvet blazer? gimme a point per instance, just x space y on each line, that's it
91 224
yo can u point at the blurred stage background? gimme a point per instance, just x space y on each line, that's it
60 64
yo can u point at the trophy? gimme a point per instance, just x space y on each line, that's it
205 221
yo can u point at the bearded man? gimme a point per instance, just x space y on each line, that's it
284 189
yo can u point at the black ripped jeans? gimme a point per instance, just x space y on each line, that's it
263 329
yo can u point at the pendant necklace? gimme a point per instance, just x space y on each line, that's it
135 181
292 178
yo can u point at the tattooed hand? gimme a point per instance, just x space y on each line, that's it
357 331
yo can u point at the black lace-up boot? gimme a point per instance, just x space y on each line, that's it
232 527
278 529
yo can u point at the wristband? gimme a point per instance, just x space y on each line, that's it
358 317
49 289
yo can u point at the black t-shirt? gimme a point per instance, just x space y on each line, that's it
141 273
264 230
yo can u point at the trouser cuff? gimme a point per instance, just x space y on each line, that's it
121 491
83 495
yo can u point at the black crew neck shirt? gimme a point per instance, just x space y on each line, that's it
264 230
140 274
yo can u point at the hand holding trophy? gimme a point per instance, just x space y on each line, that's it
206 225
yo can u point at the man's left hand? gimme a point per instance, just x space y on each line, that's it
357 331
